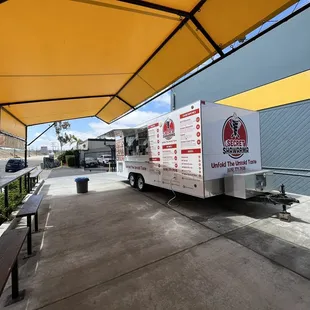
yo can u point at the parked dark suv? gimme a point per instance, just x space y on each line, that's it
90 162
14 164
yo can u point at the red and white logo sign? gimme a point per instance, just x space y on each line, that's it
235 137
168 129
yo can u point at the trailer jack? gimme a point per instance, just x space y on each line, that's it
276 199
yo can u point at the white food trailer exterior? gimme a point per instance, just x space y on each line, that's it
203 149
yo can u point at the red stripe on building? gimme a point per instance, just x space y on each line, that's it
190 113
153 125
169 146
191 151
155 159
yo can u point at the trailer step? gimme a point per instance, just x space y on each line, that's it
285 216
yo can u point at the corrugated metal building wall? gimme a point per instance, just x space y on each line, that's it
285 138
284 130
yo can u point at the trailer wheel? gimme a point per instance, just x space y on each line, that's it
132 180
140 183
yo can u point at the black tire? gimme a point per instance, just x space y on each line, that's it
132 180
140 183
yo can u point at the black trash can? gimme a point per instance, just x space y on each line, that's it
81 185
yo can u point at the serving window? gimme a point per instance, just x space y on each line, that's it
136 143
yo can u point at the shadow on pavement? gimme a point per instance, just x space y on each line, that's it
287 254
66 172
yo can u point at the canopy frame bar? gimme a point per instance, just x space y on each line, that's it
17 119
54 99
207 36
157 7
183 22
181 13
67 119
275 25
180 25
41 134
184 18
26 150
121 99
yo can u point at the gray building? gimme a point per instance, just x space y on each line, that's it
285 130
97 147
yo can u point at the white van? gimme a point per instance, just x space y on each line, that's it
104 159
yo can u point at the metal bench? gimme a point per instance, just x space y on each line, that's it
31 207
34 176
11 243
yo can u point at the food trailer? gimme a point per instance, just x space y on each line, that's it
203 149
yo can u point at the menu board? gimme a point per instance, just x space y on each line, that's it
170 152
175 150
191 152
119 149
154 148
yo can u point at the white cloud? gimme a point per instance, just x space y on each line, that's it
81 135
131 120
45 140
163 100
98 128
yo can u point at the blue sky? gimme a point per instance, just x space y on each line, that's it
93 127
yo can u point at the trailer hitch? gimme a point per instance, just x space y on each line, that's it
278 199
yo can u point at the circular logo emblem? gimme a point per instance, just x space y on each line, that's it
235 137
168 129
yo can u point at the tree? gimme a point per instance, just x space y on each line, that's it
62 136
76 140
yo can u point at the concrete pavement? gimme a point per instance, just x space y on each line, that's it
117 248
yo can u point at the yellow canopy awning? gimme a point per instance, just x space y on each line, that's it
65 59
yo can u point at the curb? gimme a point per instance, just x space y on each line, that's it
38 187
